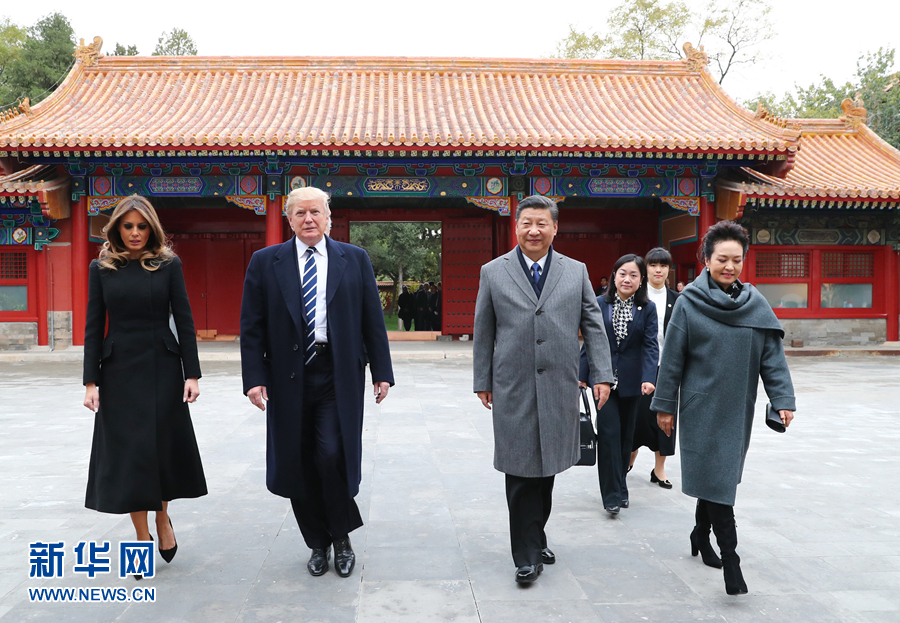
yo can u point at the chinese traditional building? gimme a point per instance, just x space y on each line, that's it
636 153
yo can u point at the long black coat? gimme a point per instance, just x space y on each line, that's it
144 449
272 326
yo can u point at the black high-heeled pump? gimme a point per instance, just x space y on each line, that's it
665 484
169 554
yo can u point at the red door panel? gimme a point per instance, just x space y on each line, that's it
467 244
193 258
225 268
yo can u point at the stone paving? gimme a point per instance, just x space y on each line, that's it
818 514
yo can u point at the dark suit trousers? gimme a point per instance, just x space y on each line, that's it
529 501
615 431
325 511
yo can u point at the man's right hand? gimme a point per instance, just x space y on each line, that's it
258 396
487 399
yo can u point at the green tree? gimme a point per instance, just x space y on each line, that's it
121 50
732 32
580 45
12 38
401 251
175 43
44 60
875 85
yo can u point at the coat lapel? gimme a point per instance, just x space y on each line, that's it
336 265
287 272
514 268
557 266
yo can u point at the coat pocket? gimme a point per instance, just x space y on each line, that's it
690 401
107 349
171 344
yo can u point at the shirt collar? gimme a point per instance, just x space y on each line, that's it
320 246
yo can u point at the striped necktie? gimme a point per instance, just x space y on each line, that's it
308 287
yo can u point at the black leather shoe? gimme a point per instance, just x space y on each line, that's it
526 574
547 556
624 503
318 561
344 558
665 484
169 554
612 510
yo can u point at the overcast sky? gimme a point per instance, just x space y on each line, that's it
811 37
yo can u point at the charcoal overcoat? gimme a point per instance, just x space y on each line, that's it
716 350
526 352
144 450
272 352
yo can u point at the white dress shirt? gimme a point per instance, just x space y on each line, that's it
659 298
321 255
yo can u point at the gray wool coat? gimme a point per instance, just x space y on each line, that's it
526 352
715 352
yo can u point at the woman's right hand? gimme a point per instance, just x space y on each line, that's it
666 422
92 397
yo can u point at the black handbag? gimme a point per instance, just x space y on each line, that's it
773 419
588 436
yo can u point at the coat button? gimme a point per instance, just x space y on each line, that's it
540 341
296 347
540 370
293 375
539 312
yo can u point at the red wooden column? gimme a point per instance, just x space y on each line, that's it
706 220
893 295
273 220
513 241
80 264
42 278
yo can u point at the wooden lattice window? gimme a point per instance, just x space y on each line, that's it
848 265
782 265
13 266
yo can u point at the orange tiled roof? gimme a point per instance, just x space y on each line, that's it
32 180
835 160
225 102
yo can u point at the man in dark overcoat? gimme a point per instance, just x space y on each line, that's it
311 308
531 304
421 297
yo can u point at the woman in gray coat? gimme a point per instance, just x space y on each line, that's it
722 337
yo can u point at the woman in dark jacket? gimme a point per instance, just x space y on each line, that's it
630 320
722 338
139 377
646 430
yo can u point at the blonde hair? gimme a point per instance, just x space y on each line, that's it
114 254
307 192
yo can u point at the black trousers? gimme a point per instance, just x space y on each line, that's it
407 323
529 501
615 430
325 511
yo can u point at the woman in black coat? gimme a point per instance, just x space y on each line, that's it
646 430
144 453
630 320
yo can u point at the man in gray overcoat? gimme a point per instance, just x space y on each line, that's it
531 304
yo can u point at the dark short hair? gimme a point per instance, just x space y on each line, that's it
538 202
640 297
720 232
658 256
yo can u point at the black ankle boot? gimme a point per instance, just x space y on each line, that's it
723 524
700 537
